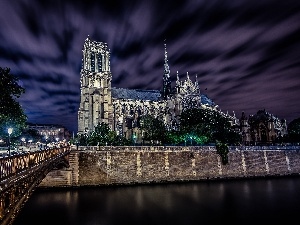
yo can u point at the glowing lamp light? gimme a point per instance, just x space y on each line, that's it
9 131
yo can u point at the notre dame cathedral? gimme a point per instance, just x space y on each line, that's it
122 108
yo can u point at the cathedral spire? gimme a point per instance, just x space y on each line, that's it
166 78
166 65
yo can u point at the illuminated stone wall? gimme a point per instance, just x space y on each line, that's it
126 165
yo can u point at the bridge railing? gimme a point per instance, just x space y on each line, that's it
10 166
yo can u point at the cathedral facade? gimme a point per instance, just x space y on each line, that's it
121 108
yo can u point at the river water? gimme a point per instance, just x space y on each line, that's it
253 201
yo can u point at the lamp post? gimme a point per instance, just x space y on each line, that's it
46 137
77 143
9 131
30 141
24 141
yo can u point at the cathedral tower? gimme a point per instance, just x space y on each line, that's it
95 80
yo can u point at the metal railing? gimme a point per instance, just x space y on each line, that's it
12 165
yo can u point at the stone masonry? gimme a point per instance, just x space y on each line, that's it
108 165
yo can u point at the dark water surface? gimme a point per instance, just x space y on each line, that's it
254 201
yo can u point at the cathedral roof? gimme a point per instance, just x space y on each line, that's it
150 95
206 101
135 94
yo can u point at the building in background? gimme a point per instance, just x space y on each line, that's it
262 127
51 132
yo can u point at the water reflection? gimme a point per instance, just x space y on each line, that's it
210 202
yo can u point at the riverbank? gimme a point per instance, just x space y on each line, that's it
95 166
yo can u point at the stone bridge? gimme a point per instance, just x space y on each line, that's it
21 174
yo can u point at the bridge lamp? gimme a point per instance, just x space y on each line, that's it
9 131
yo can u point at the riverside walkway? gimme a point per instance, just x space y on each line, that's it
21 174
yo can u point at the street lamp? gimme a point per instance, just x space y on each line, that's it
23 140
30 141
46 137
9 131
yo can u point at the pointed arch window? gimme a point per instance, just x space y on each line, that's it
99 62
93 62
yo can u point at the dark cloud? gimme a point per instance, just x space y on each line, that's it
245 53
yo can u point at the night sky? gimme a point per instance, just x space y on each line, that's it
246 54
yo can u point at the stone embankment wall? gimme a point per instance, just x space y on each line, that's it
90 166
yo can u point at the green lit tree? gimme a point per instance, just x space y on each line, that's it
11 112
174 137
207 125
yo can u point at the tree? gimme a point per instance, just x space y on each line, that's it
207 125
11 112
31 134
154 129
222 150
121 141
174 137
294 130
100 136
82 140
